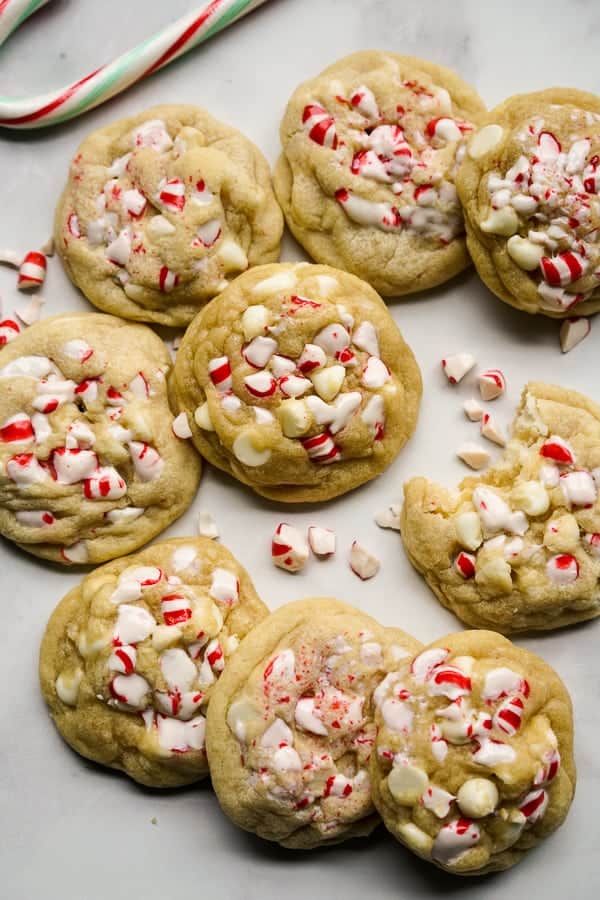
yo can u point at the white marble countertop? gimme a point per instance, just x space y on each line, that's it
74 831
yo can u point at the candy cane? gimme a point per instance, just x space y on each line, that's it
112 78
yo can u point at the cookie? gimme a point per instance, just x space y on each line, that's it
90 467
131 656
473 765
529 186
290 725
297 382
518 547
162 210
366 178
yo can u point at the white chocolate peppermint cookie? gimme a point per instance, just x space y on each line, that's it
366 180
297 382
530 186
473 764
162 210
519 547
90 467
131 656
290 727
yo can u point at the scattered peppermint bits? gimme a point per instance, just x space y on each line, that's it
207 527
492 384
491 430
362 562
573 331
321 541
389 517
289 549
474 455
456 367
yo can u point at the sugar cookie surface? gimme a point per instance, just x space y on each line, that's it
162 210
297 382
290 728
519 547
131 656
529 185
366 179
90 467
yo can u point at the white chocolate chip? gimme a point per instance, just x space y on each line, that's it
478 797
202 418
406 784
532 497
328 382
495 573
485 141
247 448
502 221
294 418
67 686
468 530
232 255
474 455
282 281
416 838
255 319
526 254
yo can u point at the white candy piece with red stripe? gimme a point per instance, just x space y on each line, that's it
424 664
134 624
17 429
131 582
181 426
175 608
35 518
78 349
465 565
139 386
147 461
492 384
219 370
332 339
294 385
73 465
437 800
559 450
322 448
261 384
474 455
389 517
495 514
208 234
152 134
453 840
363 563
448 681
375 374
509 715
491 430
573 331
593 541
397 715
534 806
365 338
336 414
105 484
132 690
75 553
312 357
321 540
123 659
320 126
444 128
171 194
24 469
32 271
562 569
225 587
9 330
134 203
564 269
118 251
491 753
259 351
502 682
578 488
289 549
180 737
456 367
